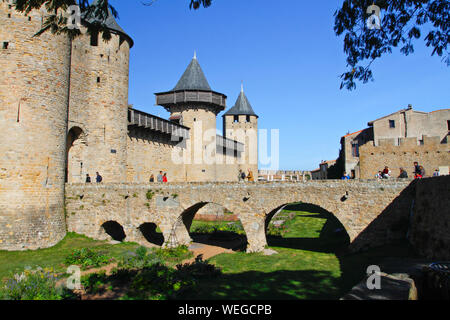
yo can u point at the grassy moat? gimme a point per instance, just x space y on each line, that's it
311 264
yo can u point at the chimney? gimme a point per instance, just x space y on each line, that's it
409 107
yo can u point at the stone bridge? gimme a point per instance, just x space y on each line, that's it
172 207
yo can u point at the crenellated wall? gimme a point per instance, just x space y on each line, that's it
432 155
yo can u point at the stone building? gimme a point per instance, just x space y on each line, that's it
64 113
322 173
397 140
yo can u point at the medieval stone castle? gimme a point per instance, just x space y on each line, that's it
64 113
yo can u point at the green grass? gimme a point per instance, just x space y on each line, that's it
311 262
16 261
308 265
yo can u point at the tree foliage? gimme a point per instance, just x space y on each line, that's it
93 14
402 23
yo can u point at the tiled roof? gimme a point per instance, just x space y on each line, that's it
241 107
193 78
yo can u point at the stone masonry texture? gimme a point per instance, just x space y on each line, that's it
172 207
34 74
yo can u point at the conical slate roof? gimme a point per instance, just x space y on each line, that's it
111 23
193 78
241 107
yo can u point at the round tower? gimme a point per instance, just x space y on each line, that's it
240 123
98 116
195 105
34 75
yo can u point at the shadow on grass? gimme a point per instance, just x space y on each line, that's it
334 239
278 285
223 239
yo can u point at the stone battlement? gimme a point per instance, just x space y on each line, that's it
409 142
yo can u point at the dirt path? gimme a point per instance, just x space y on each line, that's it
206 250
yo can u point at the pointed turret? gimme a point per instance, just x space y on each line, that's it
191 91
193 78
242 107
240 123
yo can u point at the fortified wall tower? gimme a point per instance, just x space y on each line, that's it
98 109
241 124
196 106
34 76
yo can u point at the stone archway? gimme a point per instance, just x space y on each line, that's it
114 230
182 232
150 233
330 232
76 167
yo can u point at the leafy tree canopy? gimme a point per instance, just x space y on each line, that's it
96 11
402 23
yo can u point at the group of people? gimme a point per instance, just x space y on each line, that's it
419 172
161 178
242 176
98 178
386 173
346 176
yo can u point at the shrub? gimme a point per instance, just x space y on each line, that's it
94 282
87 258
276 231
139 259
180 252
199 268
37 284
149 194
155 281
210 229
203 228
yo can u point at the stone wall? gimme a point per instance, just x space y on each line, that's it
431 155
151 152
245 132
412 123
34 73
430 222
172 207
99 106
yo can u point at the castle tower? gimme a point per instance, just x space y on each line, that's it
195 105
97 136
34 76
240 123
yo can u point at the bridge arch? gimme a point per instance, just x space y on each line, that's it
113 229
332 234
150 234
181 230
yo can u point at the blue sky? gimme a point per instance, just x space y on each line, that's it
290 61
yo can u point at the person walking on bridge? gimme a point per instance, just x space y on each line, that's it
250 177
